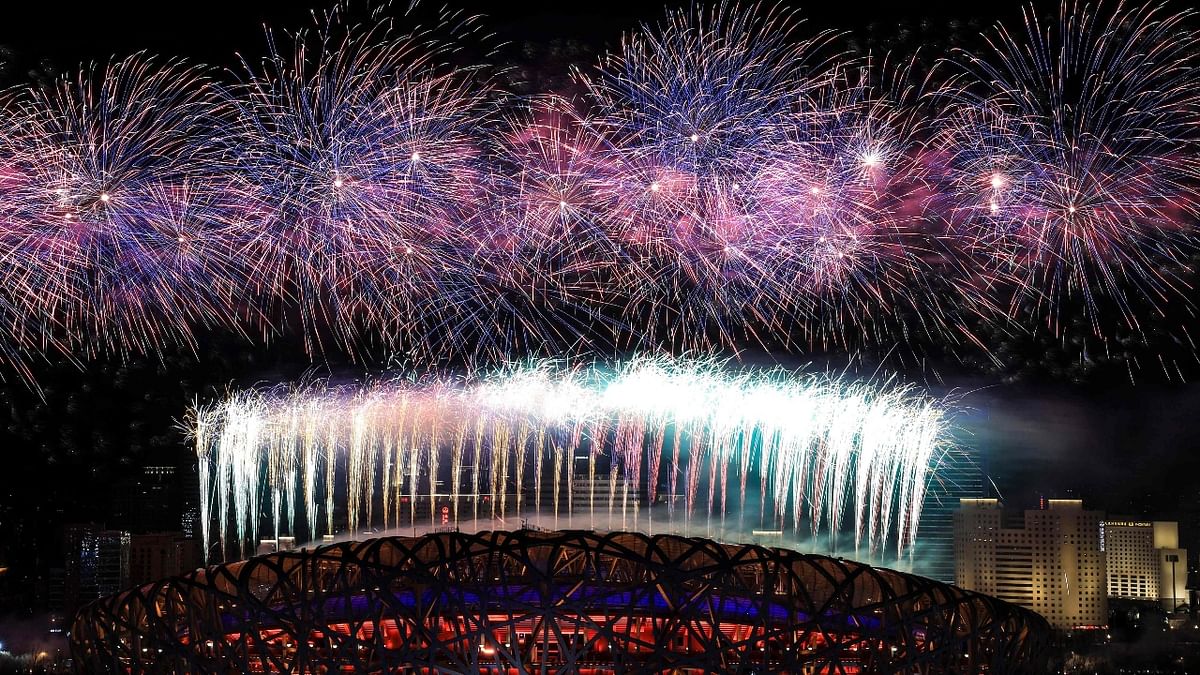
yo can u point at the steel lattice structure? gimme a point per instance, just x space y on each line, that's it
553 602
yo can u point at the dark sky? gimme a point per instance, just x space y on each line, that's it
1129 450
213 31
1125 448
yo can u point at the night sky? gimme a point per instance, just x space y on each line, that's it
1123 438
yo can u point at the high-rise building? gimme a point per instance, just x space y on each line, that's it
189 553
158 555
603 497
958 476
189 501
1048 560
152 557
97 564
147 502
1145 562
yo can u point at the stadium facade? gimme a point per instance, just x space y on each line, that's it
553 602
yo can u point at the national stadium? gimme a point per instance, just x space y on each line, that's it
553 602
645 456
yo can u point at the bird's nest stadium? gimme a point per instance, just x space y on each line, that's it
553 602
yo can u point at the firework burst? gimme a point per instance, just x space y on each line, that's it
720 180
357 151
111 221
1071 145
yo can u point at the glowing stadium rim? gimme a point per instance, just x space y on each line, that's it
677 444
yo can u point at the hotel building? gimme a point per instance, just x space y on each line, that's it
1145 562
1047 560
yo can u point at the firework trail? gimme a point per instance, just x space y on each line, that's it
556 260
826 451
